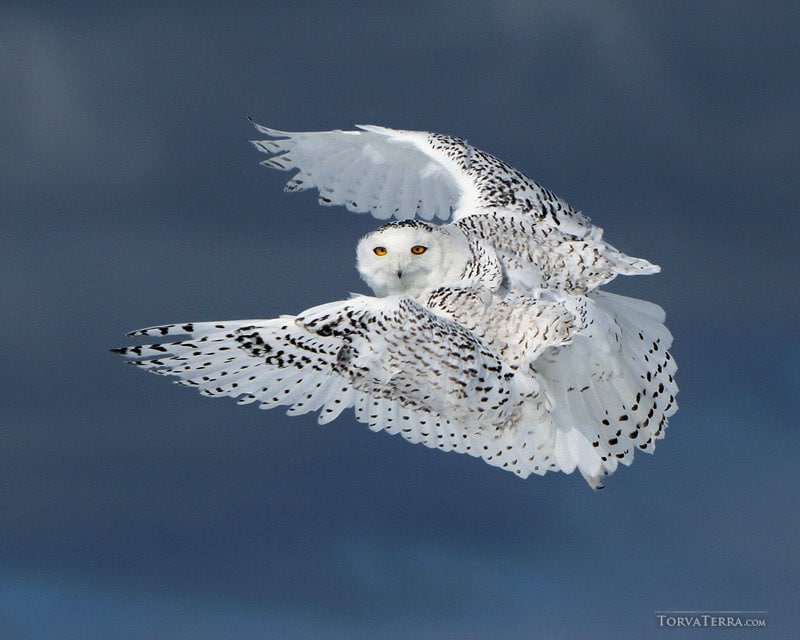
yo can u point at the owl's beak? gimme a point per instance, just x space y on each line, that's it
399 274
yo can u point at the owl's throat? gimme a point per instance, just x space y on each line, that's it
400 282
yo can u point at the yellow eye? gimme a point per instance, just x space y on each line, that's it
418 249
379 251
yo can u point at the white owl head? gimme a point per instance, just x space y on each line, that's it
411 257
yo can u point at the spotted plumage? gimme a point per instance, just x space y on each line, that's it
487 335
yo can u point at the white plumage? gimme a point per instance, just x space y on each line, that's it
488 335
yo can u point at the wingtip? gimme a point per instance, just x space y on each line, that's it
275 133
638 266
391 132
595 482
376 128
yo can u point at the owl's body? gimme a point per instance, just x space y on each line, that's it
486 335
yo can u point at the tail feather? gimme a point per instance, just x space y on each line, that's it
613 386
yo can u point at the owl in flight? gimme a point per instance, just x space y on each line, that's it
487 334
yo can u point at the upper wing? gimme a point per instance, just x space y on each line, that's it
407 174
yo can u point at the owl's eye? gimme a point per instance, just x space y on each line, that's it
380 251
418 249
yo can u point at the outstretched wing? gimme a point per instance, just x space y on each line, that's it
398 365
406 174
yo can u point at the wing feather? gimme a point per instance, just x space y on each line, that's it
540 239
402 368
536 255
530 385
444 176
613 383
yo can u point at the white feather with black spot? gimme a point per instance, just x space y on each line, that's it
400 366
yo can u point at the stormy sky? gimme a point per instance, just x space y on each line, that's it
129 196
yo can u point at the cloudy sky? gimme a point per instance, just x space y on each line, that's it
129 196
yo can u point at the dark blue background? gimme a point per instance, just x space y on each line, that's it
129 196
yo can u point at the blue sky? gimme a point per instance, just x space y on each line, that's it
129 196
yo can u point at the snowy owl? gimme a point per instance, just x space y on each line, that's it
486 335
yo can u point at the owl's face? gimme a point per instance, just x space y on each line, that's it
410 257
